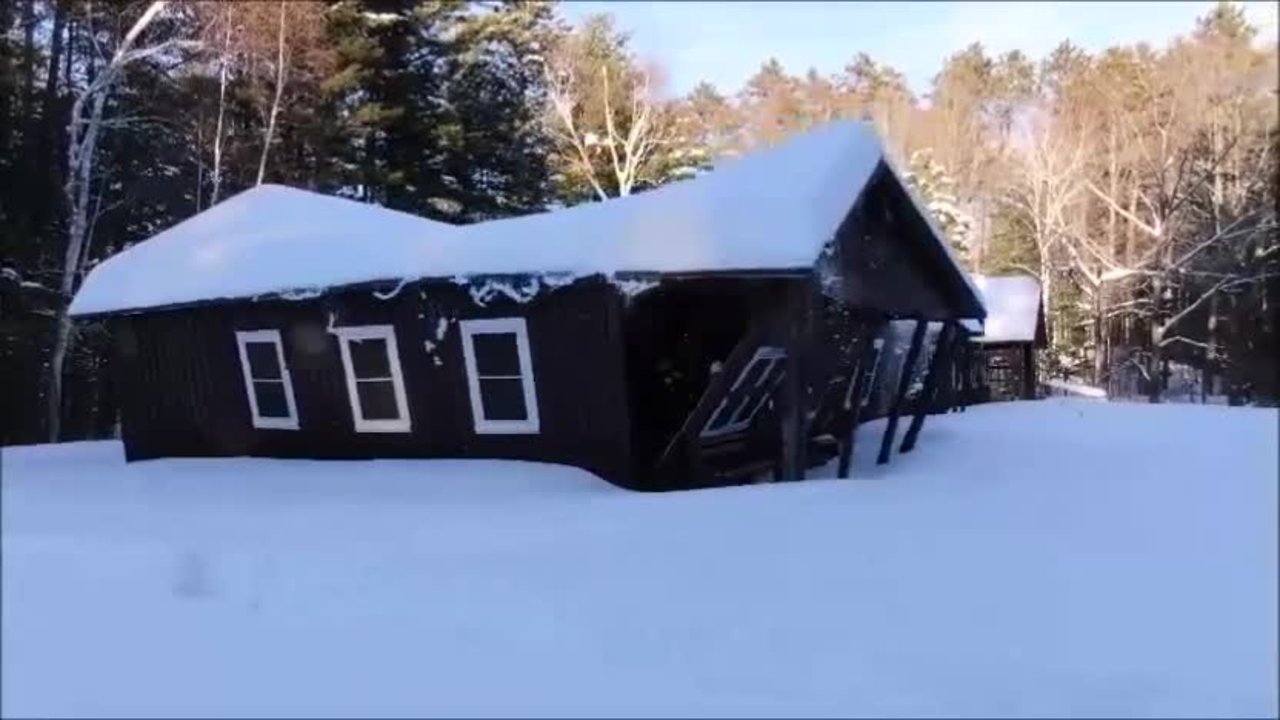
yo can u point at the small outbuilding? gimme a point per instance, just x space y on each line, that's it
697 334
1006 345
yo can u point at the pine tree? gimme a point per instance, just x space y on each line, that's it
707 126
938 189
772 103
495 93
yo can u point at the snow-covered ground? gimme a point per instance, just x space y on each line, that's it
1063 557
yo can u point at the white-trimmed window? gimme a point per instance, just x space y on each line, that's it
872 370
749 393
266 380
375 385
504 399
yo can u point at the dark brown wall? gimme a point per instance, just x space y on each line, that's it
1018 381
889 262
184 392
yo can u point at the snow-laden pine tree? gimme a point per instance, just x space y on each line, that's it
938 190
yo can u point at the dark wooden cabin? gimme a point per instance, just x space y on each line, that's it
1005 367
676 364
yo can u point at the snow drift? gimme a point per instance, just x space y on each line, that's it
1057 558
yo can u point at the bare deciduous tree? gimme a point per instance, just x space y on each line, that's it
604 111
280 75
1046 184
83 133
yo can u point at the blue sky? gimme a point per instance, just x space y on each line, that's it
725 42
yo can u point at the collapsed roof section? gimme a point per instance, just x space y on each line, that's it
772 210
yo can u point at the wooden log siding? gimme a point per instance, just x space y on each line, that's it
1009 370
892 265
184 389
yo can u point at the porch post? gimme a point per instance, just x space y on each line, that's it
866 355
924 403
904 384
952 370
794 426
1029 371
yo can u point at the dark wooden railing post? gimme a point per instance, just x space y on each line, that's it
945 396
866 355
904 383
795 405
924 403
1029 371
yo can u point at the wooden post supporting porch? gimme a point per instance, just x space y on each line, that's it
924 403
1029 371
795 403
948 381
866 356
904 384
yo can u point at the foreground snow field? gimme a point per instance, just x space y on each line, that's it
1053 558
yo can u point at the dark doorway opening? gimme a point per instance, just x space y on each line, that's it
678 335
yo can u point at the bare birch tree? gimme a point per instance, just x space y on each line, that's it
604 112
84 130
1046 183
224 70
280 75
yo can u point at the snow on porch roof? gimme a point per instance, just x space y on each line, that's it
770 210
1013 307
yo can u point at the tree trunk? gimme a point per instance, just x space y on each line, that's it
1155 365
49 149
1114 180
69 55
1099 342
82 134
199 163
1216 198
29 58
1210 351
275 104
222 105
79 171
1046 291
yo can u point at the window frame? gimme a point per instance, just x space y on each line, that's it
518 326
734 423
261 422
386 333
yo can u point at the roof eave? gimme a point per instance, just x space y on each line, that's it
311 293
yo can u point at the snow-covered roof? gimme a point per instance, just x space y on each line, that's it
1013 307
268 239
769 210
